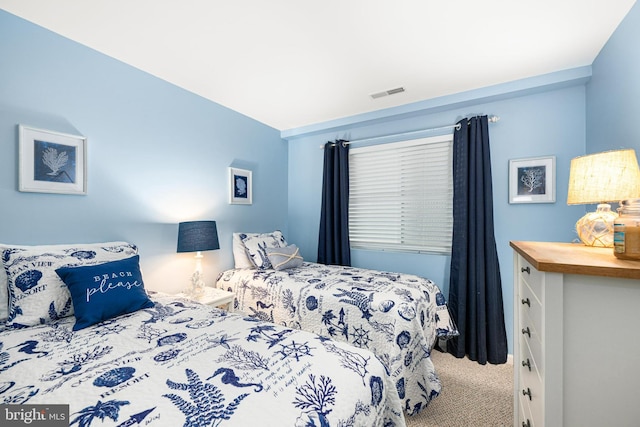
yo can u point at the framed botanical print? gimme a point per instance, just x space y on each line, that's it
52 162
240 191
532 180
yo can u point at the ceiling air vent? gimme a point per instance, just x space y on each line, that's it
387 93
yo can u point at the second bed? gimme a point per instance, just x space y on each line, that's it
397 316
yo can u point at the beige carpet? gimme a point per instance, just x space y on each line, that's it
472 395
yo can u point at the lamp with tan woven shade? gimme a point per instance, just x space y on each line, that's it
610 176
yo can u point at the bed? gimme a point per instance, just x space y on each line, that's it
397 316
168 361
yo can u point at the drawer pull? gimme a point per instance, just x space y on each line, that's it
526 331
527 424
527 392
526 301
525 270
527 363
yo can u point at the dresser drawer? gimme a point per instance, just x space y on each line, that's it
524 414
531 391
535 404
533 348
531 409
530 309
528 363
532 277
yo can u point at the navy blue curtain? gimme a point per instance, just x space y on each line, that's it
475 287
333 240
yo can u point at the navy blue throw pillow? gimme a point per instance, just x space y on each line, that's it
103 291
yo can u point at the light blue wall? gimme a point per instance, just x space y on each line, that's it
613 94
157 155
551 122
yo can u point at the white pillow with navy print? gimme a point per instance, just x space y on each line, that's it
256 245
240 257
4 291
37 295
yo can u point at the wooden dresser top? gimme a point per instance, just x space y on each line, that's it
576 258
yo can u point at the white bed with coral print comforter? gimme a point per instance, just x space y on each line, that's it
182 363
397 316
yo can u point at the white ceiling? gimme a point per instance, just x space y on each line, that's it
292 63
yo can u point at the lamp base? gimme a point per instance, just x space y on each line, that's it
596 228
197 284
197 278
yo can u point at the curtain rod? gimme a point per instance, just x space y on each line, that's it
491 119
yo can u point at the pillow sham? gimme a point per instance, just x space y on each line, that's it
104 291
283 258
256 245
36 293
4 290
240 257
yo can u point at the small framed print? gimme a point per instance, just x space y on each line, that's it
532 180
240 191
52 162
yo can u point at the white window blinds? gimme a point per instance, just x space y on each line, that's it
401 196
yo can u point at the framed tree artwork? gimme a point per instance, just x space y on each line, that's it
51 162
532 180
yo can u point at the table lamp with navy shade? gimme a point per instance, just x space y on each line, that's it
197 236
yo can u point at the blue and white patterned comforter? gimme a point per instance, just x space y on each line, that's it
397 316
182 363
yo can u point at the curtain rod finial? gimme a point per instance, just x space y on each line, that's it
493 119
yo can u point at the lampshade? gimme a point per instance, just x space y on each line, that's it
195 236
610 176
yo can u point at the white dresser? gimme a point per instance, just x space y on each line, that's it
577 336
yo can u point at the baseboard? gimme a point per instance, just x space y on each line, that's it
510 359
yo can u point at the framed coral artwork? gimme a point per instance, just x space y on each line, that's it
532 180
240 187
52 162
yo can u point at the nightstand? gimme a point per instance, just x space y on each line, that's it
215 297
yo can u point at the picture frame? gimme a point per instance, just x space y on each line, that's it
51 162
532 180
240 187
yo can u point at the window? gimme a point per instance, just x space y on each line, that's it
401 196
